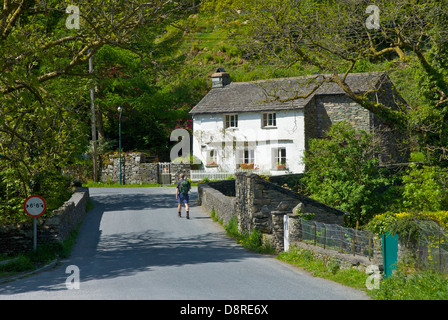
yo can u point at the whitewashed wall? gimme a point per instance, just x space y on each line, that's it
209 133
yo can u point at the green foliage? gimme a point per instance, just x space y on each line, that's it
410 226
232 228
407 229
52 185
44 254
381 223
249 240
305 215
342 172
425 188
327 268
427 285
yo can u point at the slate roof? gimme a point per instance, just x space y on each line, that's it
260 95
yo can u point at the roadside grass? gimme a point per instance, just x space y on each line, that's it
45 253
330 269
421 285
251 241
118 185
402 285
91 184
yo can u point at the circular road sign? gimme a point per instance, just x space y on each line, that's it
35 206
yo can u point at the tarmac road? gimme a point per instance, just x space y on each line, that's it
133 246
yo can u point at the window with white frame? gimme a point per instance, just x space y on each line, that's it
231 121
269 120
212 157
246 158
279 157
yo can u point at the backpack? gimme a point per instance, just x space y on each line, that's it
184 186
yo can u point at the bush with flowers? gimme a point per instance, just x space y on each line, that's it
383 222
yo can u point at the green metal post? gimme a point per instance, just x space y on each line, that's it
119 142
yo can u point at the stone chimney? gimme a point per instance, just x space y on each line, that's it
220 78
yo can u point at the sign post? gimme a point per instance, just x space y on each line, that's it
35 206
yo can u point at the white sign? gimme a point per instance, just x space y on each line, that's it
35 206
285 232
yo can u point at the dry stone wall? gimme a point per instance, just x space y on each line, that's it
139 168
19 238
257 198
218 196
261 205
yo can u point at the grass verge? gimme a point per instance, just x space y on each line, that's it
330 269
402 285
421 285
251 241
117 185
45 253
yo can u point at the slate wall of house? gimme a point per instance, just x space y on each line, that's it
330 109
325 110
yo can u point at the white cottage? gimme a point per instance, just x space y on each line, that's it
262 125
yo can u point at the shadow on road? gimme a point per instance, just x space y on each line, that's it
108 256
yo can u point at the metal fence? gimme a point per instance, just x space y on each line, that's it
432 247
335 237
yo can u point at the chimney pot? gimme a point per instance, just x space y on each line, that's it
220 78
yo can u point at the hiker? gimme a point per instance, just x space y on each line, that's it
182 189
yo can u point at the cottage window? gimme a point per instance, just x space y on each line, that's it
212 157
231 121
248 156
269 120
279 156
246 159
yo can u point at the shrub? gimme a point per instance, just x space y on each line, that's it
425 188
415 286
342 171
52 185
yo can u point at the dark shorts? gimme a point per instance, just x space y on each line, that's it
183 198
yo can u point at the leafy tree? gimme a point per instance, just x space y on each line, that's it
44 80
332 37
425 188
151 108
342 171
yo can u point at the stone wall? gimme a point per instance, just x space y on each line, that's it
325 110
177 168
19 238
257 198
218 196
330 109
139 168
136 168
262 205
